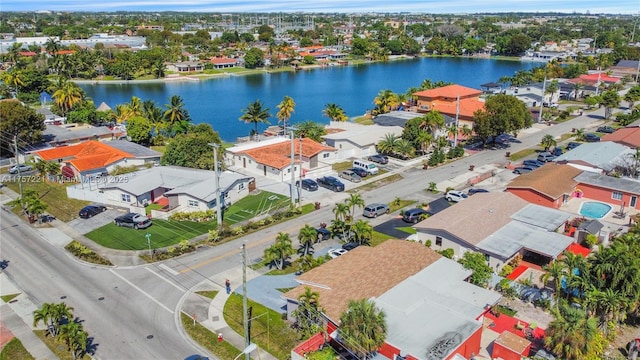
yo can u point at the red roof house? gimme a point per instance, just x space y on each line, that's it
445 100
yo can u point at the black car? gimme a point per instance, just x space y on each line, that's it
350 245
307 184
91 211
532 163
323 233
380 159
133 220
360 172
413 215
606 129
476 190
590 137
330 183
572 145
523 170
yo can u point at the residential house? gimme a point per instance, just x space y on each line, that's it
185 66
598 157
92 158
360 141
71 134
509 346
396 118
620 192
49 117
427 303
629 136
451 100
272 158
510 227
551 185
178 189
223 63
625 68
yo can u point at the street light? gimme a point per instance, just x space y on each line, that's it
148 236
247 350
216 184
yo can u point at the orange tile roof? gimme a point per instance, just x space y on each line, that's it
363 273
467 107
279 155
551 180
85 156
628 136
223 61
449 91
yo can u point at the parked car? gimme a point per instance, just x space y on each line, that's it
546 156
334 253
330 183
350 175
21 168
476 190
591 137
380 159
572 145
350 245
532 163
455 196
413 215
373 210
522 170
323 233
307 184
91 211
360 171
133 220
606 129
557 151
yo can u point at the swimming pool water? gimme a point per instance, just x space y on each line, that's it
594 210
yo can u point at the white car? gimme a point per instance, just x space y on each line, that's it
334 253
22 168
455 196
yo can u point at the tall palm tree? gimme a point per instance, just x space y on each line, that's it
334 112
68 96
405 148
280 251
576 90
341 210
176 116
432 121
44 315
307 237
353 201
548 141
255 113
554 272
363 327
363 232
424 140
308 313
388 144
572 334
286 109
386 101
14 78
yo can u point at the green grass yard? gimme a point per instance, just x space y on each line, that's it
254 205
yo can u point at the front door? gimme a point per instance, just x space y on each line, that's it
632 203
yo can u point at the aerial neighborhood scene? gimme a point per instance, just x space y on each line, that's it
320 180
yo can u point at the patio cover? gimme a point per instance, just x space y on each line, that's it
513 237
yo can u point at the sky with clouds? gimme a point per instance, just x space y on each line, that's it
343 6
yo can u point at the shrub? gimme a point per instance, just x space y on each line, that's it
119 170
433 187
194 216
428 243
184 246
590 240
213 236
238 230
448 253
506 270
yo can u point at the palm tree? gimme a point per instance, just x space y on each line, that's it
14 78
158 69
388 144
548 141
572 334
255 113
579 134
424 140
176 116
44 315
466 131
363 327
307 237
73 334
576 90
385 101
432 121
278 253
555 272
286 107
341 211
67 96
338 228
363 232
354 200
307 314
405 148
335 112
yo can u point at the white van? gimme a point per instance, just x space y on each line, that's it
367 166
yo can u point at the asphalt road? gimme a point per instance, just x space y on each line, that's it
133 313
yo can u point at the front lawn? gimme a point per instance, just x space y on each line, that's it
163 233
55 196
14 350
207 339
254 205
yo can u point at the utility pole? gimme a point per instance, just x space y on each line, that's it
245 316
15 147
293 175
217 185
455 135
544 83
300 177
598 82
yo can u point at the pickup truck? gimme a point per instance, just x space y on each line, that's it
330 183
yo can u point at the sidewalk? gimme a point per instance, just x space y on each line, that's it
212 317
16 317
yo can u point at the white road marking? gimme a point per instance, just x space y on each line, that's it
165 279
142 291
168 269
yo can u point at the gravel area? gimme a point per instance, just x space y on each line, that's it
528 312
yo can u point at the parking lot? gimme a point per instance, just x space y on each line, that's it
84 226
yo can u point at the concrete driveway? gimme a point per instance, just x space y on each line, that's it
84 226
264 290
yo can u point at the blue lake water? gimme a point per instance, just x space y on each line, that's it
220 101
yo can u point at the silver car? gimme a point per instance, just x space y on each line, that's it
373 210
350 175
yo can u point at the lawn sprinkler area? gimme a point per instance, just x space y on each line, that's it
253 206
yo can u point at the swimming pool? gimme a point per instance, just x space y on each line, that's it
594 209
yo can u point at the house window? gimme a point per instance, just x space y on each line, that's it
616 195
325 155
486 257
240 186
250 161
193 203
438 241
126 198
